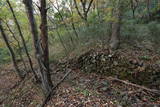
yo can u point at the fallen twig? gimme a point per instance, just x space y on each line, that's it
135 85
145 105
132 92
51 93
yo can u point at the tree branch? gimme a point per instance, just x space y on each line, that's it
76 6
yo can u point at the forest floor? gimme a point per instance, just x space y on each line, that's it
128 78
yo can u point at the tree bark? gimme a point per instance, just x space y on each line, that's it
11 52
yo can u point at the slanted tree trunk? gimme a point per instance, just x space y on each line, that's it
19 46
41 56
72 21
22 38
11 52
59 36
116 27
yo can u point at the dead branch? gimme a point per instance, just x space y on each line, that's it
132 92
145 105
135 85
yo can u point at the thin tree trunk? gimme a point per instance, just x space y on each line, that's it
22 38
11 52
148 9
74 29
62 19
72 22
59 36
19 46
133 8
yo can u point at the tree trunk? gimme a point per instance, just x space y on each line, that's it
42 60
115 37
11 52
44 38
116 26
